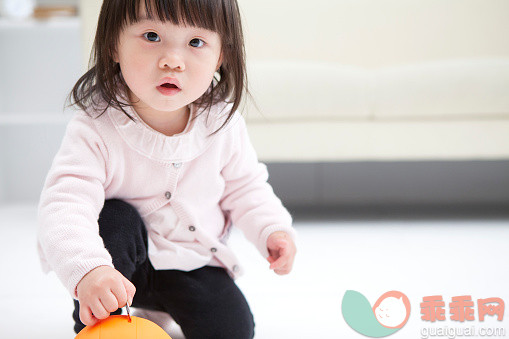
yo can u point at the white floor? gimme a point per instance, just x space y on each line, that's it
419 258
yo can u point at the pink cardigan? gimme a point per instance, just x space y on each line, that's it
207 182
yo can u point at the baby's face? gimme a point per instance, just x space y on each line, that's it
391 312
151 51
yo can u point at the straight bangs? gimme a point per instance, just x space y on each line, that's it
198 13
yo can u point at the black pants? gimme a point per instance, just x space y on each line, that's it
206 302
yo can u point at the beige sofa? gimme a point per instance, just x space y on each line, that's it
443 110
368 80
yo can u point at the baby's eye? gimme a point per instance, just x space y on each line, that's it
196 42
152 36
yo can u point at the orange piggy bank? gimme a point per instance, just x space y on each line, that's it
118 326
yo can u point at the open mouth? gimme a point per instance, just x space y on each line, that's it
167 85
169 89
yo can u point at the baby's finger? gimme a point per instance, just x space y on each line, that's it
109 302
283 251
282 259
86 316
130 290
279 251
98 310
279 263
282 271
120 293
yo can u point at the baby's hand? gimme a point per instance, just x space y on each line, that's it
102 291
282 252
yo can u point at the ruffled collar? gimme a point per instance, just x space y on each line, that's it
182 147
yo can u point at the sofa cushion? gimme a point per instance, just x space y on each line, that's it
477 88
318 91
300 90
324 141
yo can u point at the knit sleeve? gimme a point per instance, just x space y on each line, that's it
70 203
248 197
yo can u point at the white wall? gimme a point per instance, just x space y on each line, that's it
89 13
39 64
2 174
38 69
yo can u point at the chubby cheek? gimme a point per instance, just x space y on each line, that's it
202 79
206 83
133 74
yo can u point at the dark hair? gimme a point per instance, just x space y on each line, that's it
102 85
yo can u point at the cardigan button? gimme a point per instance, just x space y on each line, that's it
177 164
235 268
192 228
213 250
167 195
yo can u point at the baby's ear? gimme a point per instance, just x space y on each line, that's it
220 61
114 56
